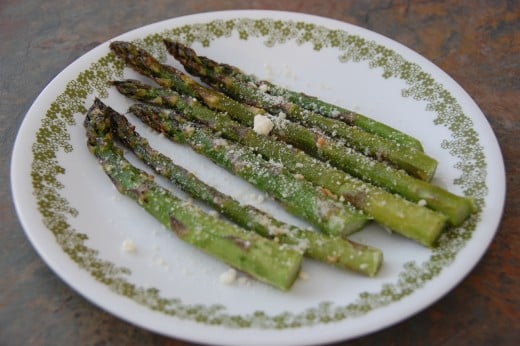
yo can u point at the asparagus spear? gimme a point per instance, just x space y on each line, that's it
333 250
308 102
413 161
391 211
297 195
259 257
456 208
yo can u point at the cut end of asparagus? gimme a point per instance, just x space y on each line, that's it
370 261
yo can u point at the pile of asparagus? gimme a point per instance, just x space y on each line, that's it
332 167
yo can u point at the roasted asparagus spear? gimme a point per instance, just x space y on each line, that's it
298 196
456 208
393 212
303 100
261 258
332 250
414 161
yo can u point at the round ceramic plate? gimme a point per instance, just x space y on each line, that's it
78 222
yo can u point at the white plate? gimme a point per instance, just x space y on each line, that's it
77 221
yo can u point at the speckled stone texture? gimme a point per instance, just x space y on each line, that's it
476 42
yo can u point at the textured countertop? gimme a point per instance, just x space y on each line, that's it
476 42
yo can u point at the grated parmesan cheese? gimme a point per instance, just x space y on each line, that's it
228 277
262 124
263 88
129 246
304 276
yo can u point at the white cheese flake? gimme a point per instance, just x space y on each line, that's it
228 277
262 124
263 87
129 246
304 276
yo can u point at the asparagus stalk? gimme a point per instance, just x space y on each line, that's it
261 258
339 252
456 208
391 211
297 195
303 100
414 161
169 77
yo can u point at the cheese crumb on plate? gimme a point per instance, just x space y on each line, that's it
129 246
228 277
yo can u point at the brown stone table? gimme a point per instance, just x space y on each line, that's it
476 42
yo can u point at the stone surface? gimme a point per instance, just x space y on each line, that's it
476 42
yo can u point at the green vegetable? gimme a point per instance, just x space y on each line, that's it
391 211
261 258
332 250
413 161
456 208
305 101
298 196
